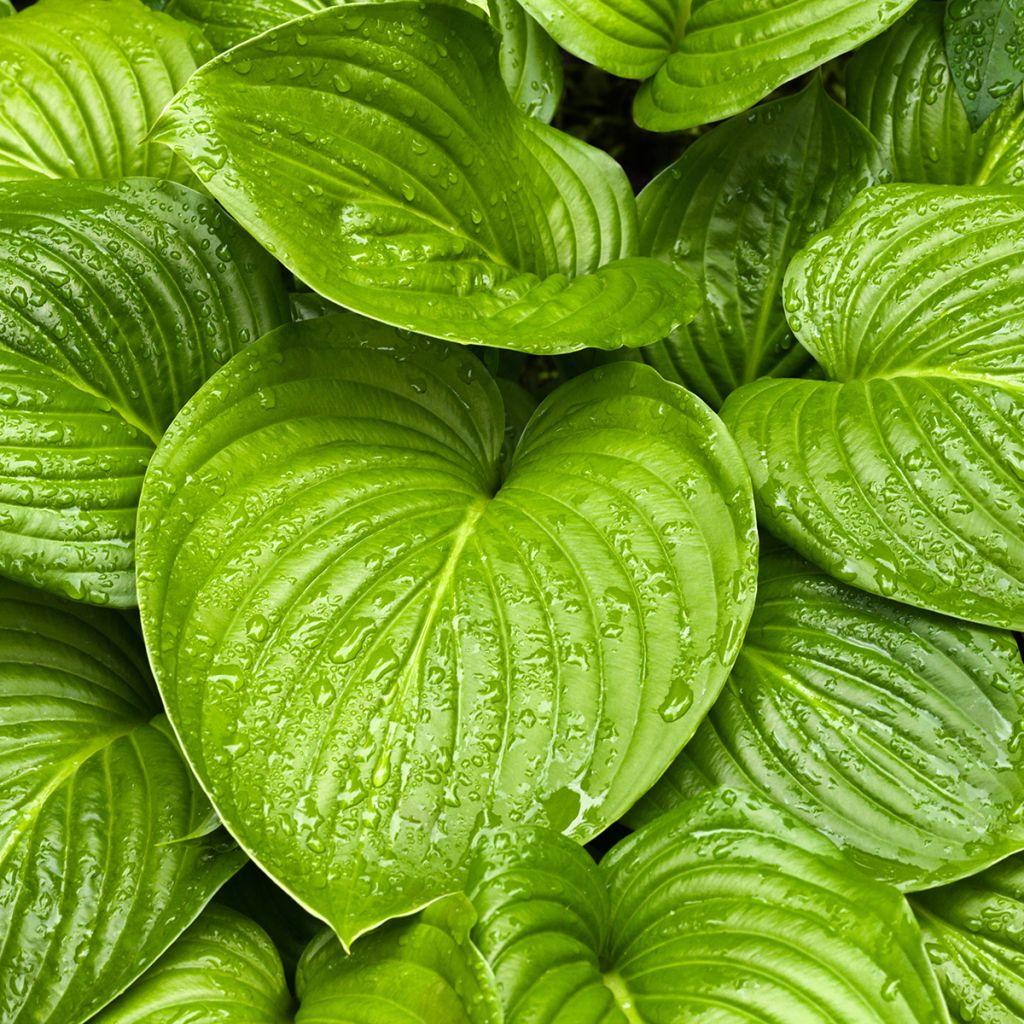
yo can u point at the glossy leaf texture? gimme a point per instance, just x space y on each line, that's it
372 645
725 910
223 970
81 84
531 63
730 213
895 732
414 191
985 44
93 794
900 86
904 473
707 59
117 300
974 934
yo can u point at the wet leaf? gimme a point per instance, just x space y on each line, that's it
373 645
904 473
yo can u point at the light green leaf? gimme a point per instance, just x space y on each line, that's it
974 934
985 44
895 732
725 910
372 644
223 970
904 473
81 84
92 790
117 300
6 8
730 212
706 59
415 191
531 63
901 87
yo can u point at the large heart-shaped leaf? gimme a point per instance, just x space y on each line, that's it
94 795
974 934
895 732
730 212
372 644
901 87
904 473
725 910
117 300
81 83
225 968
985 43
405 184
531 63
707 59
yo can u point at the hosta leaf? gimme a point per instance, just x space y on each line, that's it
531 63
730 212
117 300
895 732
414 191
974 934
93 793
81 83
372 644
707 59
223 970
985 43
725 910
904 473
901 87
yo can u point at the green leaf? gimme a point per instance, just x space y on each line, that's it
895 732
724 910
904 473
706 59
730 212
973 933
985 44
372 645
6 8
82 82
93 790
414 191
901 87
117 300
224 968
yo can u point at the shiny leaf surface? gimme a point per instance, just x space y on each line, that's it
725 910
893 731
901 87
973 933
730 213
904 473
414 191
93 794
117 300
81 84
372 645
706 59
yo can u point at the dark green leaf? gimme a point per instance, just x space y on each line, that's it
901 87
372 644
895 732
93 791
117 300
725 910
730 212
904 473
415 191
81 83
985 44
